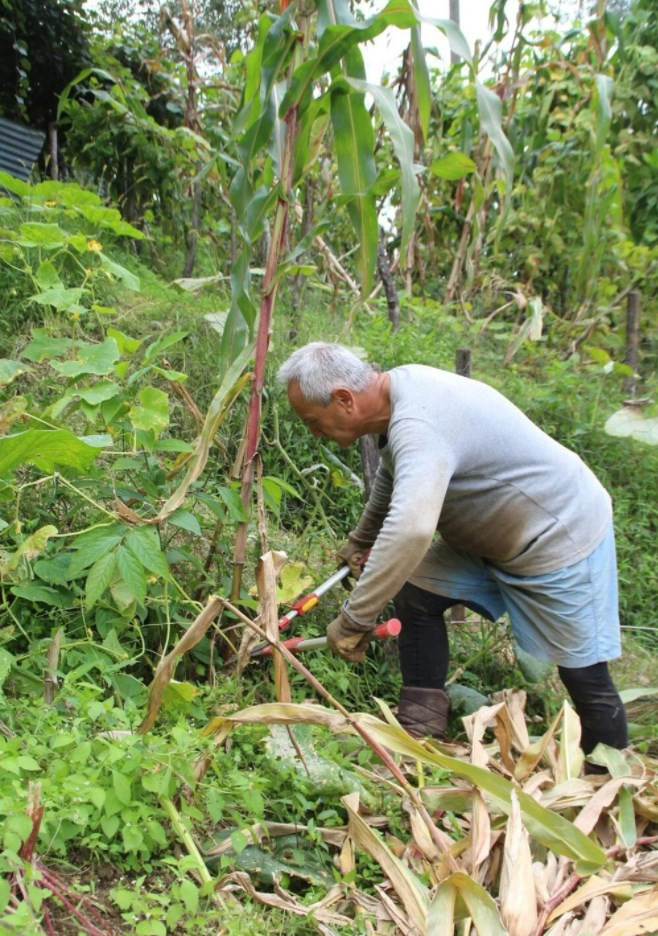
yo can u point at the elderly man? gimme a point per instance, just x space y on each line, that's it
525 528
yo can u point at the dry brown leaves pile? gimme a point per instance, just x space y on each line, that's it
506 879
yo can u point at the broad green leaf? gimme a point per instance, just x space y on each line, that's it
403 144
98 392
421 80
125 343
14 185
38 234
46 449
93 544
631 695
96 359
110 218
131 571
630 422
145 543
59 297
354 142
481 907
122 787
186 521
42 595
453 166
99 578
152 413
490 108
44 346
10 370
46 275
233 503
30 547
128 279
66 194
161 344
55 570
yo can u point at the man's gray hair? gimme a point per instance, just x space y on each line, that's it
320 367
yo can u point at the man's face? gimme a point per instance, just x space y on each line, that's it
337 421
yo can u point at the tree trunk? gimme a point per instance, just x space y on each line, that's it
369 461
384 269
193 231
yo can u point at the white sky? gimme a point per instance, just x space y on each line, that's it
384 53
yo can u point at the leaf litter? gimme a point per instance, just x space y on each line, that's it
515 840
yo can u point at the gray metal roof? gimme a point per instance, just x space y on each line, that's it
19 148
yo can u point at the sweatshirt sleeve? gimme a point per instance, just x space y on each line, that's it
422 469
373 516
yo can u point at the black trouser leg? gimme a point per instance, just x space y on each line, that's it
423 641
597 702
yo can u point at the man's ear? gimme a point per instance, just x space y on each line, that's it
344 398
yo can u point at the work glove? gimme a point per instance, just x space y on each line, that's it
349 639
352 553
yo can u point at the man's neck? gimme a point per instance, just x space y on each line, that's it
377 406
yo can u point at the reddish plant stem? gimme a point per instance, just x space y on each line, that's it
280 227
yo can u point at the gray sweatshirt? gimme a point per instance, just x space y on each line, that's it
463 460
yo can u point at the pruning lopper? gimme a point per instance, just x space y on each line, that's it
302 606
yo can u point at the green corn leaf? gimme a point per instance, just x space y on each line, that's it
453 34
229 389
403 144
354 142
46 449
490 108
99 578
421 80
481 907
336 42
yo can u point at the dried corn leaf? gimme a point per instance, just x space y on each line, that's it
570 756
165 669
639 915
551 829
602 799
595 917
269 566
535 751
518 899
480 831
480 906
594 886
282 900
411 892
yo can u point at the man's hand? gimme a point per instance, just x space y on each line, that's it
352 554
347 639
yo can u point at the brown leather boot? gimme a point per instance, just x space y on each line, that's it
423 712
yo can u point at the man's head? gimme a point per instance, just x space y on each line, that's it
327 388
